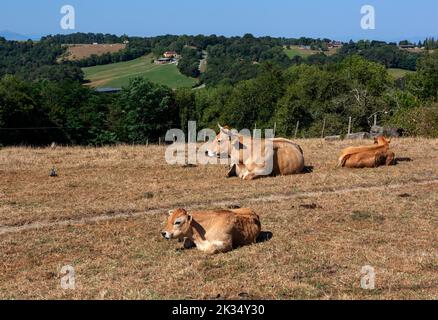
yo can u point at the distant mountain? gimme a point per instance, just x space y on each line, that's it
9 35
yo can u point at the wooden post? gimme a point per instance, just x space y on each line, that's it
159 141
296 129
323 129
147 143
375 120
349 125
275 128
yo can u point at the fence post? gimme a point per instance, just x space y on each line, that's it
375 120
349 125
296 129
323 129
275 128
147 143
159 141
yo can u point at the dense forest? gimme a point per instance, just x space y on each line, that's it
387 54
249 81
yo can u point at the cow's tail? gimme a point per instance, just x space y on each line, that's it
342 160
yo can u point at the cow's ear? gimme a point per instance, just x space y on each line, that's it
225 131
231 133
189 218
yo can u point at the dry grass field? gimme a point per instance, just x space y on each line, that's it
104 212
76 52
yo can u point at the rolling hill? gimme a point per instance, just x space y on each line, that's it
76 52
14 36
119 74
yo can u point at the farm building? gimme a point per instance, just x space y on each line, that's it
164 61
170 54
108 90
407 46
335 45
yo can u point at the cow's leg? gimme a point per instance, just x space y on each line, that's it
233 171
217 246
255 173
188 244
249 176
237 170
243 173
380 159
390 159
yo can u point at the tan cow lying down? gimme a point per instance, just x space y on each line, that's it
287 157
368 156
214 231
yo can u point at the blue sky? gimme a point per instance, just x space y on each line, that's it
337 19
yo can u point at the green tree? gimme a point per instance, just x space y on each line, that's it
146 111
21 113
366 74
255 101
424 84
185 100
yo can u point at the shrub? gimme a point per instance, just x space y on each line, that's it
420 121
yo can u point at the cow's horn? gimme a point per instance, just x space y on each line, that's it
220 127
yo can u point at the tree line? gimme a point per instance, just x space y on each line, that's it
40 112
250 81
230 60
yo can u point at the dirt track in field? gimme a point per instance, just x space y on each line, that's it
223 204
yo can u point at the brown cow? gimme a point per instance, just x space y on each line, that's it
370 159
286 157
368 156
214 231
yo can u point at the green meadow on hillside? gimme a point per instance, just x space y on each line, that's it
119 74
399 73
297 51
294 51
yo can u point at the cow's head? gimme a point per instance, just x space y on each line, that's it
382 141
178 225
221 146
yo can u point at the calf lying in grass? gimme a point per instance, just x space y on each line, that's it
370 159
216 231
371 156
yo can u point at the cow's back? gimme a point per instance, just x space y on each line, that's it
288 157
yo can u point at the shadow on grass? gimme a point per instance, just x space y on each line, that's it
397 160
308 169
264 236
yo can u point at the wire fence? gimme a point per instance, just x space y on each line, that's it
158 136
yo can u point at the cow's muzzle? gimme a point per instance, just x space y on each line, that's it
210 154
166 235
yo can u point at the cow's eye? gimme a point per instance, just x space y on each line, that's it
219 140
177 223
